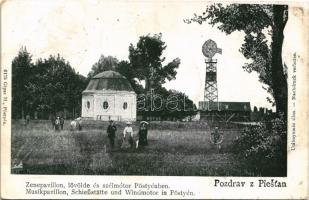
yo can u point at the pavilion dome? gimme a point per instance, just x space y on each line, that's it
109 80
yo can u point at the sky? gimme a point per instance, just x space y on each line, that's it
81 31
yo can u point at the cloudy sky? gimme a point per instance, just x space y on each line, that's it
81 31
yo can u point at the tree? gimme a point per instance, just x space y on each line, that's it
47 87
146 61
126 69
255 21
103 64
22 67
57 86
185 106
168 104
123 67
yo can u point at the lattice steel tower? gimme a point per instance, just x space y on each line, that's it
211 88
209 49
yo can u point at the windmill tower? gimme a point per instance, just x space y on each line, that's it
209 49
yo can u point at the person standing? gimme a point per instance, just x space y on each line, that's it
216 135
61 123
79 123
127 136
27 119
57 124
111 133
52 120
143 131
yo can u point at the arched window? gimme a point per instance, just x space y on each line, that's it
105 105
88 104
125 105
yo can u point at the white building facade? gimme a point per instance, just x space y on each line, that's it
109 96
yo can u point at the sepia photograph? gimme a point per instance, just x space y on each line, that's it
132 102
150 89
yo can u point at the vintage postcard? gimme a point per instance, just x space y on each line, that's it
105 99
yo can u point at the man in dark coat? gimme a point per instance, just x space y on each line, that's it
111 133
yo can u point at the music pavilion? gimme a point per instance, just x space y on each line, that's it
109 96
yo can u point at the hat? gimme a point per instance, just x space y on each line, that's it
144 122
128 123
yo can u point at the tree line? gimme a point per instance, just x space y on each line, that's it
52 87
45 87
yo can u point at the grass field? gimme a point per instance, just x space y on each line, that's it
175 149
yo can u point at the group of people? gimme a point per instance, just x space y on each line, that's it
76 124
57 123
130 138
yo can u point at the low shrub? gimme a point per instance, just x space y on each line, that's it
263 148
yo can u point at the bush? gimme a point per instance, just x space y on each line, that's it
263 148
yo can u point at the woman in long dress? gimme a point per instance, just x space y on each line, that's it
127 141
143 131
